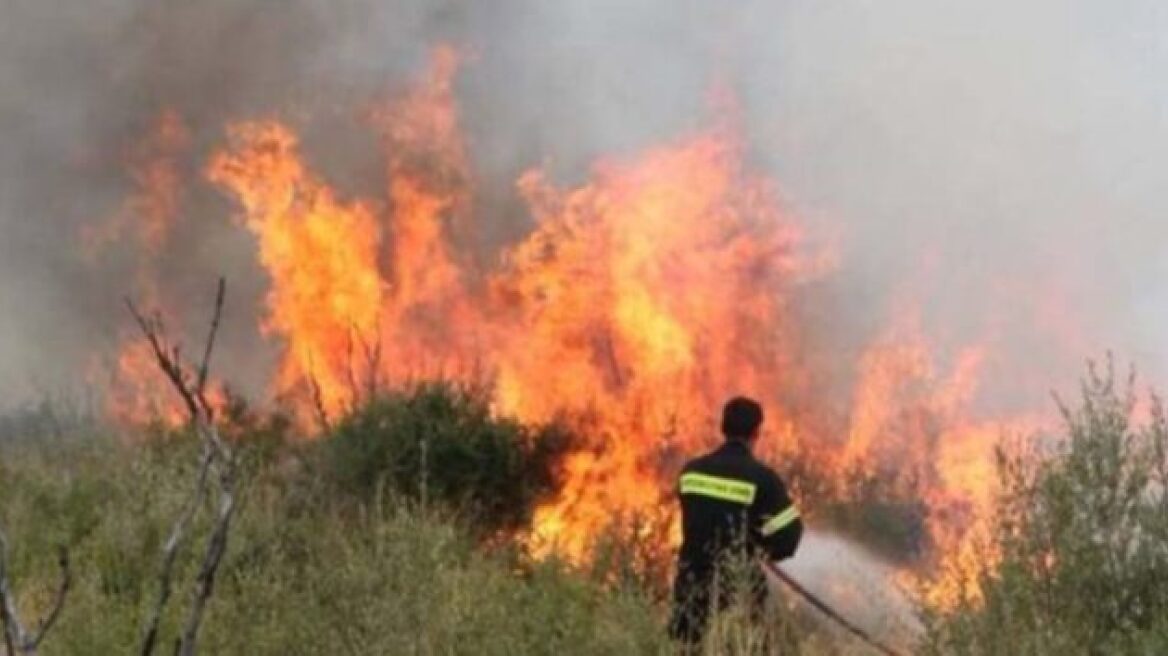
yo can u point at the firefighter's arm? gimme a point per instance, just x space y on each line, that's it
782 527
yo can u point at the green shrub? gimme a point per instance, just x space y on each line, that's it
299 576
1082 535
324 565
440 443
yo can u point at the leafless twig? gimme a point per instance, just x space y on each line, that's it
170 550
205 583
17 640
350 372
220 295
47 623
318 403
372 366
361 389
217 456
168 356
13 631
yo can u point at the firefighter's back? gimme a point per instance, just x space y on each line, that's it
731 504
717 493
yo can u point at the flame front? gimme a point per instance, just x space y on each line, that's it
639 301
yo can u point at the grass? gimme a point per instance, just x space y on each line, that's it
330 556
307 573
313 566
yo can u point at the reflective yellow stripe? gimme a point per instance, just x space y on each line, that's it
780 521
726 489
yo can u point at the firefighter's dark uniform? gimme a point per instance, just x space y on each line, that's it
731 504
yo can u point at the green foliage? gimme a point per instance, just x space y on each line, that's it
1082 534
337 550
305 573
440 443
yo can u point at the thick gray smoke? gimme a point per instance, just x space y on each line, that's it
1001 163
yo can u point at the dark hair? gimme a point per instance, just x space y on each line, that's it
741 417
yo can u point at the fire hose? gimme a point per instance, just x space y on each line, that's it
827 610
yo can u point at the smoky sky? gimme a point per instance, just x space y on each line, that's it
1001 165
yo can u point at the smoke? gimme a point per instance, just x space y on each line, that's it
999 165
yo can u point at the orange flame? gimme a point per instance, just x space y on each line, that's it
640 300
643 299
149 215
133 393
156 175
321 255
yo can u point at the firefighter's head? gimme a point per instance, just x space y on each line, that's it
741 419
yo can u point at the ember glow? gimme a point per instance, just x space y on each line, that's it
640 299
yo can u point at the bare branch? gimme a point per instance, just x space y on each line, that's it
205 584
350 372
170 550
47 623
317 399
168 357
16 639
372 365
220 295
13 632
217 455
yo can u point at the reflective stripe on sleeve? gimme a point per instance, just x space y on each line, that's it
780 521
726 489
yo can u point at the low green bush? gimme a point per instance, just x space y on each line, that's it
440 443
1079 560
366 541
307 572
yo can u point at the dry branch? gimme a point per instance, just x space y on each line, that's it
47 623
170 551
217 456
17 640
318 403
350 372
372 366
8 615
205 584
220 296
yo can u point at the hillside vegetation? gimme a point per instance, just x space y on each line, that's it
346 545
393 534
1078 563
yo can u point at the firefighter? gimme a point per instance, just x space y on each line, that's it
732 507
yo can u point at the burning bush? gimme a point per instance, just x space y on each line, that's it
1079 560
439 442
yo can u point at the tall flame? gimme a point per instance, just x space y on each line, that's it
148 217
641 298
321 254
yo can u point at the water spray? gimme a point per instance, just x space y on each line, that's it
827 610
